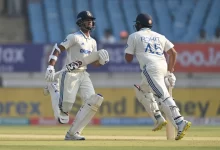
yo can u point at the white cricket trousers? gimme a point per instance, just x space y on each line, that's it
154 75
73 82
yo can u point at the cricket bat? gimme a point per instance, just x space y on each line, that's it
170 129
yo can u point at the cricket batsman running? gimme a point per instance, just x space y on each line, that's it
149 48
78 46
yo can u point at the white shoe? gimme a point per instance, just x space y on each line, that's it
159 124
76 136
182 128
63 118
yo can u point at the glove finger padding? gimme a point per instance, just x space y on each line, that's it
103 57
103 54
167 82
170 80
49 77
50 73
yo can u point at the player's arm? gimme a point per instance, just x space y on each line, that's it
170 78
129 57
55 53
50 72
93 58
96 64
67 43
130 49
172 59
169 49
57 49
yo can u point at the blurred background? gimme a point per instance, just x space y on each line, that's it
30 28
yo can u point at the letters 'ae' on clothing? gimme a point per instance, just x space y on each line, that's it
149 47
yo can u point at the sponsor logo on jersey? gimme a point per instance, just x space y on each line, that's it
85 51
88 13
64 40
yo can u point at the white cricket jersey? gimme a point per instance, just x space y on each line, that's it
78 46
148 46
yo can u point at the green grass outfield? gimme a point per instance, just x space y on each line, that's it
106 138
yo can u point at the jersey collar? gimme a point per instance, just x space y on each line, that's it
145 29
85 35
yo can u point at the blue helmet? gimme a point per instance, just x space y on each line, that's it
144 20
84 15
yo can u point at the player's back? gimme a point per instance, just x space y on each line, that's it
150 47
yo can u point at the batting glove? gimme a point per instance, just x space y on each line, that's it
50 73
103 57
170 79
72 66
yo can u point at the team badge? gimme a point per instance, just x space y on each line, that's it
88 13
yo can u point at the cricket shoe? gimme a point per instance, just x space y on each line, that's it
63 118
159 124
182 128
76 136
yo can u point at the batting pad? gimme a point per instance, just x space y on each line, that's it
55 95
148 101
170 109
86 113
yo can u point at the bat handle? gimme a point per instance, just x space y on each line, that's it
170 89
